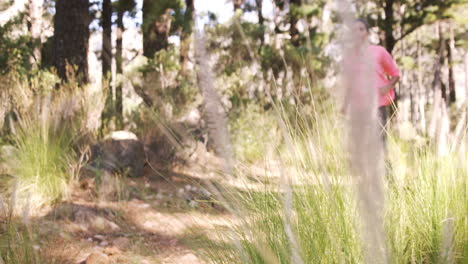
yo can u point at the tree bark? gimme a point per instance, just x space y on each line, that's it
438 80
466 86
451 80
107 40
119 68
106 57
293 19
261 19
36 8
71 37
421 96
389 22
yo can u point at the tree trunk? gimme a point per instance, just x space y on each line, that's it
438 80
36 8
156 28
466 87
71 37
185 37
237 4
294 5
106 57
261 20
107 40
119 68
389 22
451 81
421 97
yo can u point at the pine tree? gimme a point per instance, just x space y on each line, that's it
71 36
106 22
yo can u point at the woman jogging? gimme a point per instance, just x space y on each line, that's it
370 73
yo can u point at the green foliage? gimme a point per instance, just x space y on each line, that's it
416 14
154 9
234 43
271 59
240 52
306 10
407 63
164 60
252 129
165 85
15 50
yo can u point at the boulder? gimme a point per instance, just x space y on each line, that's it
119 152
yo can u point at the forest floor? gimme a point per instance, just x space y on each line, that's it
158 218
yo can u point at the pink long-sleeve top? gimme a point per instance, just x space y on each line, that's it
385 67
369 69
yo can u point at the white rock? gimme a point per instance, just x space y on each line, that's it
121 135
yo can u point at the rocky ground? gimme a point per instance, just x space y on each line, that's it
151 219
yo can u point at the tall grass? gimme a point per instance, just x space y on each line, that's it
43 159
17 241
309 214
427 204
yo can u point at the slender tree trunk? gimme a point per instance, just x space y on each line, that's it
451 81
294 5
186 37
389 22
421 98
71 37
440 122
403 90
438 80
261 20
36 8
107 40
106 57
466 87
119 68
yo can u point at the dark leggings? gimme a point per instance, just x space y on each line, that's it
383 122
383 118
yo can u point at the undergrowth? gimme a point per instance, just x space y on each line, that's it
307 211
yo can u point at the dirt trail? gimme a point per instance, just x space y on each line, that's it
143 220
